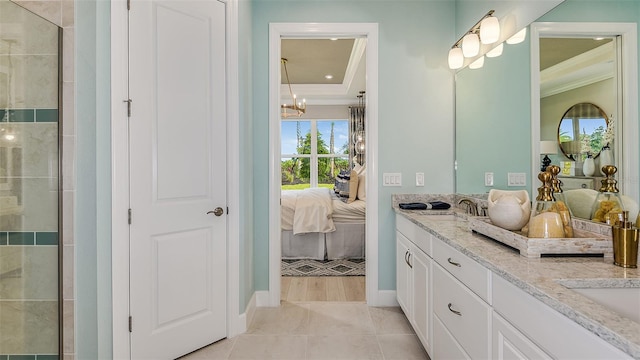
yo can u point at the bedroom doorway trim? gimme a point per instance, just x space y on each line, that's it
319 30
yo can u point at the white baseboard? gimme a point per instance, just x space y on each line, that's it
387 298
245 318
262 298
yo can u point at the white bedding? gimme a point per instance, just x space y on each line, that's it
316 210
313 210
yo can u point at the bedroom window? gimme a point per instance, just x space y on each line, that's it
313 152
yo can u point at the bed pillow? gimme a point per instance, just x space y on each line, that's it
362 194
353 187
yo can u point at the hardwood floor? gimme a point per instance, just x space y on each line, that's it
323 288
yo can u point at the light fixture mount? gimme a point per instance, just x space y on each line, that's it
470 41
296 108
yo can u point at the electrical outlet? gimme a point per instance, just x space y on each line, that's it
488 179
420 179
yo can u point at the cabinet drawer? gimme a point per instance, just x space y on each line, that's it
475 276
463 313
445 345
569 183
420 237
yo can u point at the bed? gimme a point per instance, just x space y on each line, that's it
319 224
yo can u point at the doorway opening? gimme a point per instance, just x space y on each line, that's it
331 114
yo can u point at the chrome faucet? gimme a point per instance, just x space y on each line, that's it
470 206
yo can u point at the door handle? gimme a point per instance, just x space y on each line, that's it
217 211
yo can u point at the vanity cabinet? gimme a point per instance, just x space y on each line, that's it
413 277
537 330
461 310
509 343
460 302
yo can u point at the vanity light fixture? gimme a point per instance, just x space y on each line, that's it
456 59
485 31
518 37
477 64
296 108
470 45
489 30
496 51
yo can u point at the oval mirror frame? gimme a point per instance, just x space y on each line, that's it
578 122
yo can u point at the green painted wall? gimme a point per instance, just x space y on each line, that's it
415 107
92 231
493 120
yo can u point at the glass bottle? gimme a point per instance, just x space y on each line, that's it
556 188
549 219
608 205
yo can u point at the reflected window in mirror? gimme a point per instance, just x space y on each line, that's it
582 130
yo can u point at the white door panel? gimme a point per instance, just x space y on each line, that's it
178 175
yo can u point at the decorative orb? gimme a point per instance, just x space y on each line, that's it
509 209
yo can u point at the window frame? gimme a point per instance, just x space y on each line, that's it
314 156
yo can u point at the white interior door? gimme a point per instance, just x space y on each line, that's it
178 171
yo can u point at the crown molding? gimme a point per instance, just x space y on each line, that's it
581 70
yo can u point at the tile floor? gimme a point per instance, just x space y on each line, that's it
321 330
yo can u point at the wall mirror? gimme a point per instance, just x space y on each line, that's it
582 130
506 94
591 75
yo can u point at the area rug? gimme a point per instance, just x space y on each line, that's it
307 267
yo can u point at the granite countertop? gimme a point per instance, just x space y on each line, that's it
543 277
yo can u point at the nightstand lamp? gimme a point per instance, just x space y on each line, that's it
547 148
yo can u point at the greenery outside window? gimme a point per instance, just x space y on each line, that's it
313 152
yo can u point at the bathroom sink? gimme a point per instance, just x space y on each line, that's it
623 299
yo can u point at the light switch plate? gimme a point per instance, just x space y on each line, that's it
391 179
419 179
516 179
488 179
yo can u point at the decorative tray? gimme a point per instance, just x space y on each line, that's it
585 242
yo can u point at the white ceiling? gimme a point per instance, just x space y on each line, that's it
570 63
309 60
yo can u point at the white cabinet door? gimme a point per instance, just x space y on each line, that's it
509 343
403 274
421 264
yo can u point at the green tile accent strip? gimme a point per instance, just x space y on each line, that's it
3 357
46 238
47 357
3 241
21 238
22 357
20 115
46 115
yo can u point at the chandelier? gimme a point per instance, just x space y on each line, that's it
296 108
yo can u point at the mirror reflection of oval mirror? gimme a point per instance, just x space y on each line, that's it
581 131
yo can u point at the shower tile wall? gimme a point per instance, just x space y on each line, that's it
28 184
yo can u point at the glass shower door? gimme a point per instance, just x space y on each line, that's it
29 185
